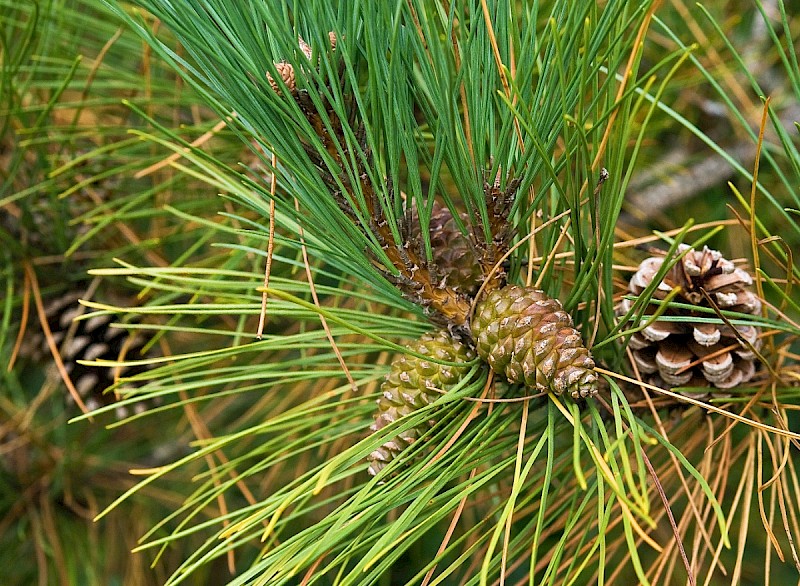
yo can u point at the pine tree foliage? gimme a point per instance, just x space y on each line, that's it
366 121
505 118
78 190
414 108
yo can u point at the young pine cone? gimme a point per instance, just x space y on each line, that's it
527 336
413 383
451 252
286 70
697 353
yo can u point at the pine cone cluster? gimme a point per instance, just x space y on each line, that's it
527 336
413 383
521 332
694 352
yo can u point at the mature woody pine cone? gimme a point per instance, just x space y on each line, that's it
413 383
89 339
451 252
696 353
527 336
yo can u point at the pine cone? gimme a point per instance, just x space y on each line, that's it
451 252
286 70
40 227
89 339
413 383
527 336
699 353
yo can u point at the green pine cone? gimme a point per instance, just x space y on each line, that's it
413 383
527 336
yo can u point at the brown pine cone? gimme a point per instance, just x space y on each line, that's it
696 353
451 252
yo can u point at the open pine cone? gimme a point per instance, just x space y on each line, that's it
84 340
696 353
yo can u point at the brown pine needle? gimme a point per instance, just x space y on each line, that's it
201 432
750 403
500 67
51 343
778 494
626 76
603 468
460 509
671 518
523 427
270 250
677 470
508 253
472 415
754 248
322 319
23 324
449 534
789 498
550 258
760 493
634 242
701 404
310 573
200 140
93 72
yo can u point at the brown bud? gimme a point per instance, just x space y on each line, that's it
286 72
